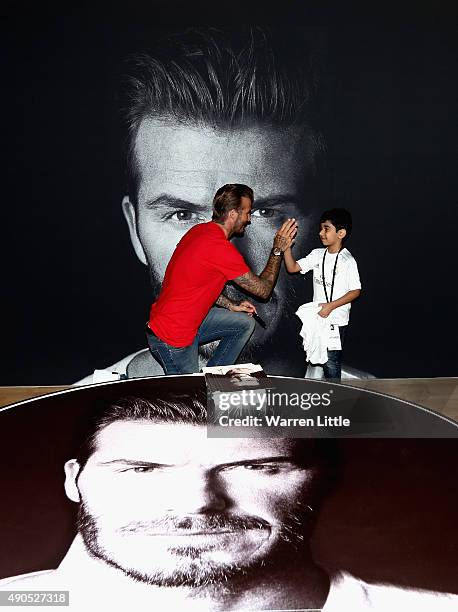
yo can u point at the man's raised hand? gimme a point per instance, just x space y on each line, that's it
284 238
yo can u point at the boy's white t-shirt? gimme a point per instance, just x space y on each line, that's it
346 279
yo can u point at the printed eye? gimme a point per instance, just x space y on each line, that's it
185 216
264 213
266 468
140 469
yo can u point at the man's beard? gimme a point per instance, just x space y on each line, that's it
189 567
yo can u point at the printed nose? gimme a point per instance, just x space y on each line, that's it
203 493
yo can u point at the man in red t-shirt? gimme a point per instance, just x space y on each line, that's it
191 308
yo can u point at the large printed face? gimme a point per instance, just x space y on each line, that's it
181 168
169 506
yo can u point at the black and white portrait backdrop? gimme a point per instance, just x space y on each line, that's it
388 506
363 121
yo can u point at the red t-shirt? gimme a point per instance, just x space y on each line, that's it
202 263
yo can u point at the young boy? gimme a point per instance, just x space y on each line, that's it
335 280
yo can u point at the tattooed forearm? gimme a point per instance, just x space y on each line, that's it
261 286
270 272
225 302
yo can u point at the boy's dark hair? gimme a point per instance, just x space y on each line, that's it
340 218
227 198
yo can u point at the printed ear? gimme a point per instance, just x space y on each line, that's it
130 215
342 233
72 469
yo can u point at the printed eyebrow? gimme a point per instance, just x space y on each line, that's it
275 200
134 462
167 201
259 461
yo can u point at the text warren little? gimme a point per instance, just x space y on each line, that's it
278 421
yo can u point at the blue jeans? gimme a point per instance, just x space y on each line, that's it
232 329
333 367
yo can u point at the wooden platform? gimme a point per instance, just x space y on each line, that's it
439 394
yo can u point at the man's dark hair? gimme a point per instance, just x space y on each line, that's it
228 77
227 198
340 218
170 408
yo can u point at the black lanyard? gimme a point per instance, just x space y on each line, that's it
333 275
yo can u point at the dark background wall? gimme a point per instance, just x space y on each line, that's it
74 296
